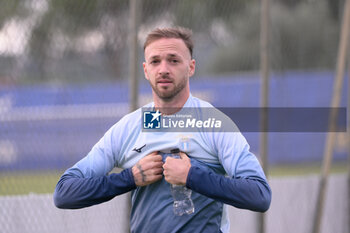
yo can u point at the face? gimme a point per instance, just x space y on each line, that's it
168 66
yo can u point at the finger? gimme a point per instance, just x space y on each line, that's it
168 159
145 159
147 165
154 153
150 155
166 179
158 171
165 172
154 170
157 157
183 155
157 164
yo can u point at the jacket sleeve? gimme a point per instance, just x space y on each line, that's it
73 191
88 182
245 185
250 193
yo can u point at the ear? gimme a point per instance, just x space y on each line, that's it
145 70
192 67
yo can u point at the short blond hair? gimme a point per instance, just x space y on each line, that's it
184 34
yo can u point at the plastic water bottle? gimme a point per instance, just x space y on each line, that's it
181 194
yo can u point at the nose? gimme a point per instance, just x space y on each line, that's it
163 68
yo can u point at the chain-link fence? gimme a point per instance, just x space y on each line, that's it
291 211
60 42
64 74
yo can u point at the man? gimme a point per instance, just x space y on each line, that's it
216 166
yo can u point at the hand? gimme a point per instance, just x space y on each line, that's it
148 170
176 170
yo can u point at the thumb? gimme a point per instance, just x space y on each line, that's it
183 155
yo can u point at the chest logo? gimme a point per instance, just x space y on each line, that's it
138 150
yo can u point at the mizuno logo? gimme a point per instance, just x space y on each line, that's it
138 150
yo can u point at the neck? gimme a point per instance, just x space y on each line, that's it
170 106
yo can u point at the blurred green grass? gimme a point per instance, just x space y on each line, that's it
17 183
20 183
305 169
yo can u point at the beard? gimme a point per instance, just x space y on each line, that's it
167 95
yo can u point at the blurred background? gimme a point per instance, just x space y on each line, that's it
65 79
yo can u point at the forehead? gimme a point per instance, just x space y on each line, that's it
166 46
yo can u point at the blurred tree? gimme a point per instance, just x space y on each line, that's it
9 9
74 41
290 3
72 20
335 8
198 15
303 36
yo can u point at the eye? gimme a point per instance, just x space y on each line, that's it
174 61
153 62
